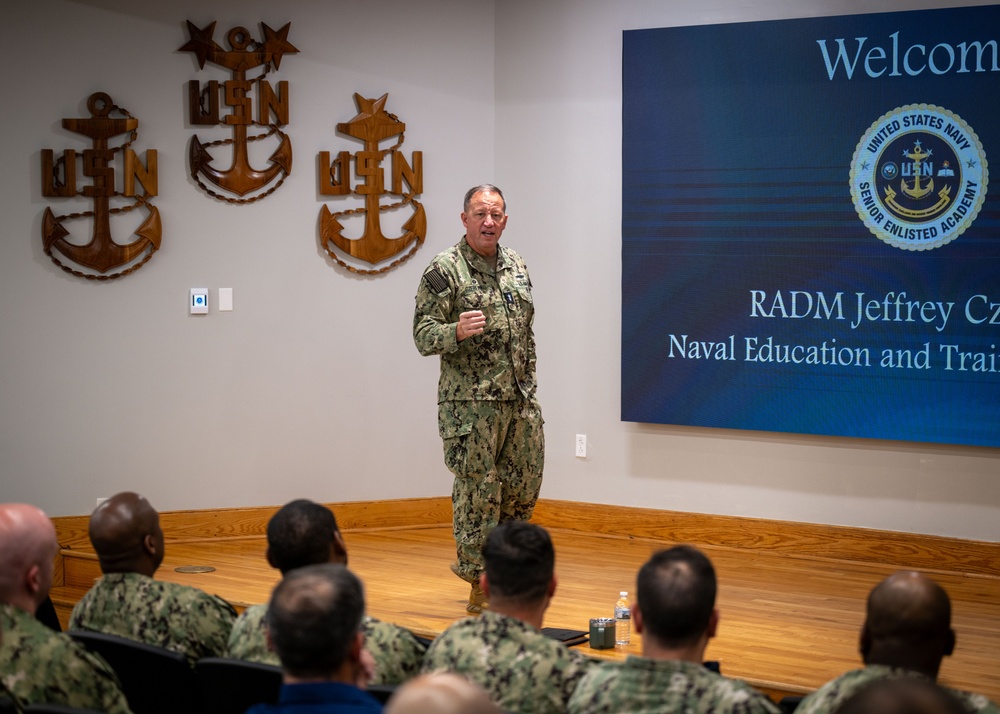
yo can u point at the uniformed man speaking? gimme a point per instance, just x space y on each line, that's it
474 309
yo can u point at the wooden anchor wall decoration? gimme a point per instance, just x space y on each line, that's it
59 180
372 125
245 54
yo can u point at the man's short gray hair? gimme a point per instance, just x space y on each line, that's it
485 188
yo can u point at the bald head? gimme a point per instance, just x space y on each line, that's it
441 693
908 623
125 532
27 549
903 695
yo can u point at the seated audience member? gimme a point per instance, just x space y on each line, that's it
305 533
906 695
907 632
675 613
315 625
441 693
127 601
502 649
38 665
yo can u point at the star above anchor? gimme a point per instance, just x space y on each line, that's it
201 42
373 123
276 44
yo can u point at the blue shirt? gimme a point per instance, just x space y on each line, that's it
320 698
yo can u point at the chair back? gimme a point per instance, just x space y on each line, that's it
790 703
155 680
382 692
231 686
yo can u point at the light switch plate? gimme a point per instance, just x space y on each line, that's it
199 301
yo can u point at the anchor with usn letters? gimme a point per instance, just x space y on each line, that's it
102 252
372 125
244 54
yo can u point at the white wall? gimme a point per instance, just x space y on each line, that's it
312 386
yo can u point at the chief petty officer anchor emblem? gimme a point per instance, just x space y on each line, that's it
918 177
244 54
372 125
59 177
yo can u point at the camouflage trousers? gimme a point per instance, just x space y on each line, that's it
496 450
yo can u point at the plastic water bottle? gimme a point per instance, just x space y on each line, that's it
623 619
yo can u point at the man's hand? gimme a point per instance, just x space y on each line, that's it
469 324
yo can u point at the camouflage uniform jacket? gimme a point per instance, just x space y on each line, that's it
828 697
500 362
8 702
520 668
39 666
640 685
177 617
397 653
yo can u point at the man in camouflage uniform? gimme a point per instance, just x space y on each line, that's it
675 613
126 601
474 309
38 665
503 649
305 533
314 620
907 632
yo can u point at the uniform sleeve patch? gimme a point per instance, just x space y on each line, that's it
435 278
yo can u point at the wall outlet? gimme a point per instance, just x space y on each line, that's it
100 501
581 446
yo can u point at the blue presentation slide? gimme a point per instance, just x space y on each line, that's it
810 240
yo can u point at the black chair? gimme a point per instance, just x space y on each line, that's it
46 614
231 686
789 704
382 692
155 680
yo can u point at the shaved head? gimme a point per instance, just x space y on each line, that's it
903 695
908 624
441 693
125 532
27 549
908 605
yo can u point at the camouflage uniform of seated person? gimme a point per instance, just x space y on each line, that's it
503 649
128 602
305 533
676 616
907 633
38 665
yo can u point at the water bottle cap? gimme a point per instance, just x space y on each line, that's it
623 594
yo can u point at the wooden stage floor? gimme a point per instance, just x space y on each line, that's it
787 623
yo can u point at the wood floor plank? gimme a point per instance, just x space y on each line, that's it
788 623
